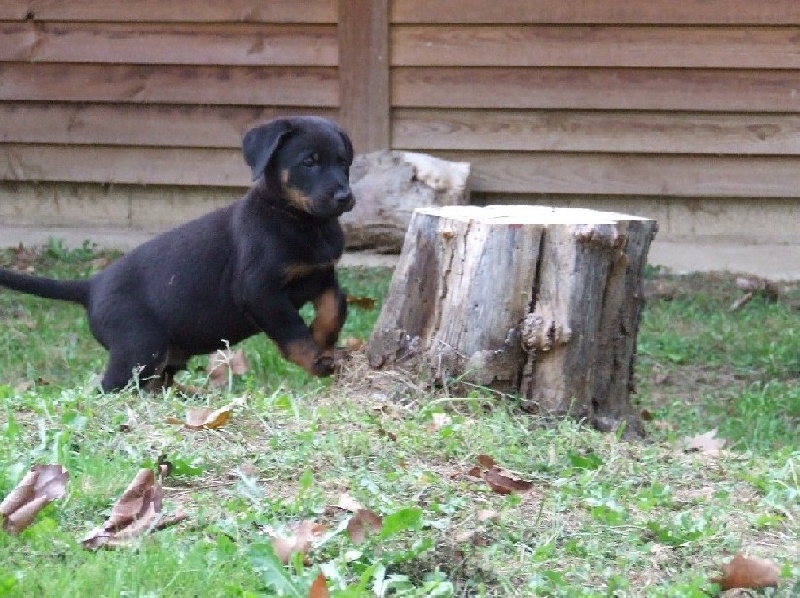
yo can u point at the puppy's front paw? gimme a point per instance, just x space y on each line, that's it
323 365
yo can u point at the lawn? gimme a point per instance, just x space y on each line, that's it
298 457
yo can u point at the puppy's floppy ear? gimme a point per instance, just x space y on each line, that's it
347 143
260 143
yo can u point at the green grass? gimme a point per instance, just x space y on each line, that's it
604 518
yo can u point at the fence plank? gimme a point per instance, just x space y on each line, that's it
364 72
594 88
136 125
641 175
606 131
223 44
689 12
185 11
127 165
715 47
260 86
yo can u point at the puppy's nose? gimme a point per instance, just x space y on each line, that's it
344 195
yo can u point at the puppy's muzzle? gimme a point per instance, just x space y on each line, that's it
343 199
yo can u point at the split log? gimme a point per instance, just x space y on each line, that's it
389 186
543 302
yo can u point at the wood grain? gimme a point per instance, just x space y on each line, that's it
308 86
128 165
364 72
135 125
659 175
159 43
595 88
189 11
587 46
687 12
601 131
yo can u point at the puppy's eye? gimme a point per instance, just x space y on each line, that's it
309 161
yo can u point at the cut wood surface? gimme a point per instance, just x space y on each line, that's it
587 46
307 86
185 11
136 124
688 12
530 299
596 131
597 88
170 43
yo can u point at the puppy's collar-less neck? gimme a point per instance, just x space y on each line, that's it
268 199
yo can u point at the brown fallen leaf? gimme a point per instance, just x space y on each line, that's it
302 535
707 443
223 362
748 572
23 256
503 482
362 302
361 522
40 486
319 589
486 461
199 418
138 510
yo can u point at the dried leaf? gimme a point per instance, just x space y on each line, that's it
352 343
440 420
472 536
348 503
303 533
486 461
222 362
199 418
136 512
488 515
362 302
361 522
40 486
319 588
748 572
504 482
706 443
474 472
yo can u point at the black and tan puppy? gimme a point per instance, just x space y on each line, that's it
240 270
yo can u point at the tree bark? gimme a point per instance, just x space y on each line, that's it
543 302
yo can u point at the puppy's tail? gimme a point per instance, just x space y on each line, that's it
76 291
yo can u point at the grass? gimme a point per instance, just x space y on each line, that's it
604 517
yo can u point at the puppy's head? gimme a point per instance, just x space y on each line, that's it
308 159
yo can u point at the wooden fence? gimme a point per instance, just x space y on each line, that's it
547 98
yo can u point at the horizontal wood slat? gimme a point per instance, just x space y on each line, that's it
595 88
688 12
604 174
136 125
307 86
224 44
137 166
582 131
701 47
188 11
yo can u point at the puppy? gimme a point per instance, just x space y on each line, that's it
240 270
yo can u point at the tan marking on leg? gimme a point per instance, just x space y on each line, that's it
327 323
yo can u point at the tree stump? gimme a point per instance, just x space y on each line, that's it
543 302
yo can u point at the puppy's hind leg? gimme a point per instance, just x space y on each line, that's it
144 362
